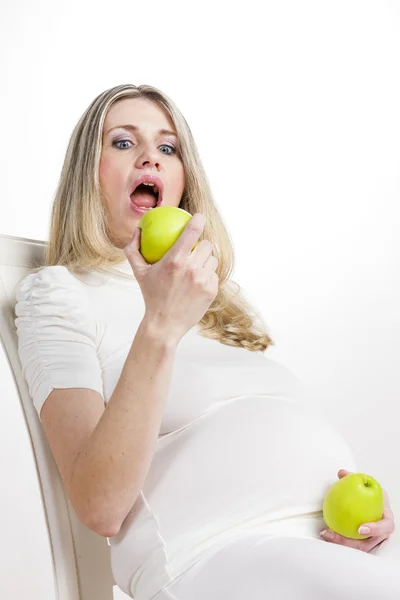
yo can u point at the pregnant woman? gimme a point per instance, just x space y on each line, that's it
175 437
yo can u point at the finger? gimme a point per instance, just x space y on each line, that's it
343 472
388 509
211 264
201 253
132 252
385 526
363 545
134 242
188 238
330 536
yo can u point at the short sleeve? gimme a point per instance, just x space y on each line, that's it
56 329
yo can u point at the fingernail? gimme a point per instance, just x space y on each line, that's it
327 534
363 530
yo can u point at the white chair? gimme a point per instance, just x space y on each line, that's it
81 558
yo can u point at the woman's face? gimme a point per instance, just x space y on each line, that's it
139 142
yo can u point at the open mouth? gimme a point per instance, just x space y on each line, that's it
146 196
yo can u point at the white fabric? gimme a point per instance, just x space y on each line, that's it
256 567
238 450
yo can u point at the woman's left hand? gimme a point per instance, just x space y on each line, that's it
379 530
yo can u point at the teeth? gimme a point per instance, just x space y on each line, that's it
151 185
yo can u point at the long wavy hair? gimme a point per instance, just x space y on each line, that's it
78 233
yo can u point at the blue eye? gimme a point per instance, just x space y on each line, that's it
171 148
121 142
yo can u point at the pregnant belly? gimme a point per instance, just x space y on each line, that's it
253 458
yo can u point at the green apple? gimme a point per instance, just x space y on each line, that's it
351 501
161 227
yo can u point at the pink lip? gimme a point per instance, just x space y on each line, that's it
137 209
152 179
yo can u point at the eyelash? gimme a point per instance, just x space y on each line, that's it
172 148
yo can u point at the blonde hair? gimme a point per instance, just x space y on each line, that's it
78 235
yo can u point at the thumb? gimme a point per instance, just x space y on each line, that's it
343 472
132 253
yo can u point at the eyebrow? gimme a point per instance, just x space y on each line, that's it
135 128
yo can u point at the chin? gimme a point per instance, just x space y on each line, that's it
122 240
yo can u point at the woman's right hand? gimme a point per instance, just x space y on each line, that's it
179 288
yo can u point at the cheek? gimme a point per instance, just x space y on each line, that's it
178 180
109 176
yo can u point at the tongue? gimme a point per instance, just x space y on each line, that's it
146 199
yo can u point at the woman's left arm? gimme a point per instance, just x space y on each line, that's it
379 531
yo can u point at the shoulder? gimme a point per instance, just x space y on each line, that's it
50 287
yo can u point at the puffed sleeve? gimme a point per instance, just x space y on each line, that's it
57 343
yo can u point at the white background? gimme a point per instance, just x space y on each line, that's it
295 110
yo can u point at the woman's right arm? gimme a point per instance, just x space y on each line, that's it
112 465
104 454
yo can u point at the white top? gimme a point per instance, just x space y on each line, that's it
238 451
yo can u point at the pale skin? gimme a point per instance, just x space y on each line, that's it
128 154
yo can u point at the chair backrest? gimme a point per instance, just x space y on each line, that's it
81 558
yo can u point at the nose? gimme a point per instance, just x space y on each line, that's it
148 158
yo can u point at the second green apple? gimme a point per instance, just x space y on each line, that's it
351 501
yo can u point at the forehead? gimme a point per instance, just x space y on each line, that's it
137 111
